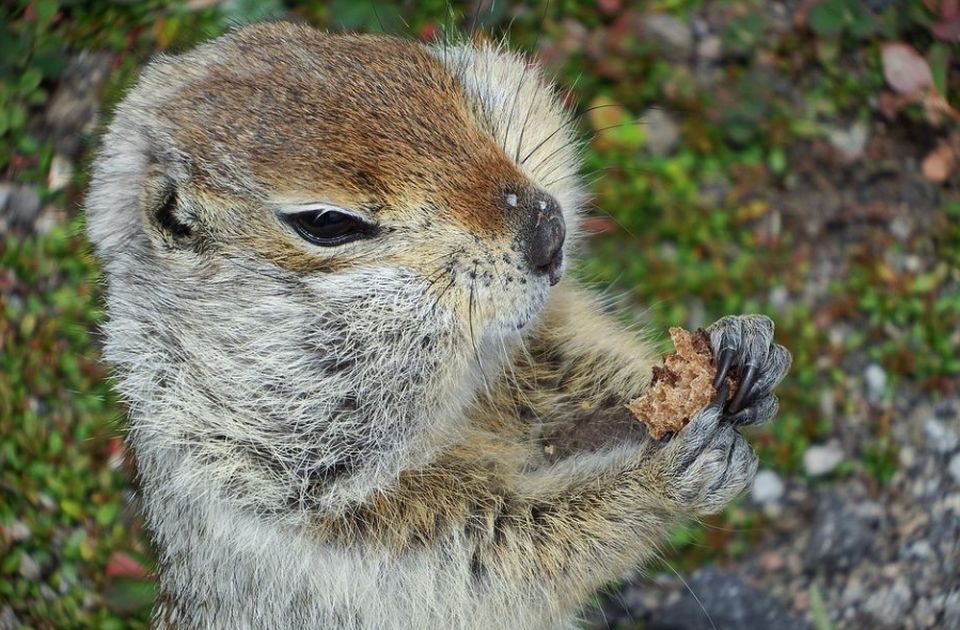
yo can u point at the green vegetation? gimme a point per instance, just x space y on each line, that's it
715 224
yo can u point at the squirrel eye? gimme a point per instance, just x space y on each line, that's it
329 227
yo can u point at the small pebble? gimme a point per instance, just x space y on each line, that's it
941 438
61 173
672 37
662 132
767 487
771 561
920 550
710 48
907 457
18 531
48 593
954 468
875 380
853 592
29 569
889 604
8 618
850 142
21 204
900 228
951 609
821 460
779 296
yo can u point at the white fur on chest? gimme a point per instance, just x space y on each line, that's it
287 580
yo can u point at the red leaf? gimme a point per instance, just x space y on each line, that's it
950 9
610 7
121 565
947 30
428 32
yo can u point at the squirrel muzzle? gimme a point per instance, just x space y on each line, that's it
545 236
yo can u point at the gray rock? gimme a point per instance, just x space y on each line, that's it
925 613
907 457
8 619
821 460
850 142
18 531
46 501
672 37
61 173
887 606
767 487
875 380
662 132
920 550
723 600
853 592
941 438
710 48
951 609
19 205
779 297
954 468
47 593
29 569
839 537
73 107
901 228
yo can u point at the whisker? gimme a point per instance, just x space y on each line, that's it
565 125
376 14
526 119
575 141
474 20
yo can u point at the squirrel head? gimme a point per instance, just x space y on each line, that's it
308 227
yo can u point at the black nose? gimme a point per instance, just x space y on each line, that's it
544 243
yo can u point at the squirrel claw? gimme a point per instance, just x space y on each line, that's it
745 391
745 343
727 355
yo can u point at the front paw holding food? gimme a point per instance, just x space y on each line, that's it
717 380
734 361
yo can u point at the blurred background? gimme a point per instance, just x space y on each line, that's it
795 158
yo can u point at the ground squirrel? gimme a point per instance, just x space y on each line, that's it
361 394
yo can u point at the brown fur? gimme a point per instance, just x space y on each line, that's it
376 122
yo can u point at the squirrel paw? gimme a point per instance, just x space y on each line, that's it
708 462
744 343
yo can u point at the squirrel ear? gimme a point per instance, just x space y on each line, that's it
165 213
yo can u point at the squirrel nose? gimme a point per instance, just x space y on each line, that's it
544 252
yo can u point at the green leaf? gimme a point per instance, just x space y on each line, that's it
127 596
30 80
72 509
818 609
45 10
938 58
107 513
827 18
777 161
28 145
17 116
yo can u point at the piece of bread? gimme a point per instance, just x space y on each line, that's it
680 387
